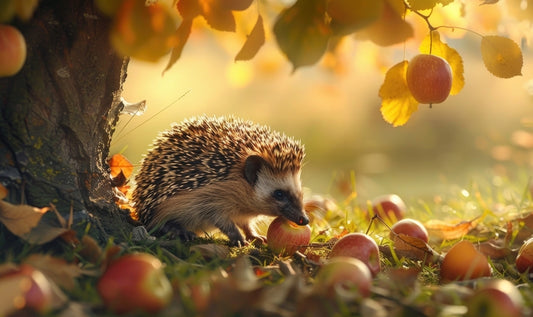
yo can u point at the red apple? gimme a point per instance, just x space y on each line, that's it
496 298
410 227
429 78
31 289
286 237
343 274
12 50
463 262
359 246
390 208
524 259
135 282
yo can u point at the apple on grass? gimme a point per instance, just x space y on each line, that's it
359 246
495 298
30 289
464 262
390 208
524 259
410 227
343 274
429 78
135 282
285 237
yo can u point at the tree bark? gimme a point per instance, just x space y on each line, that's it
58 113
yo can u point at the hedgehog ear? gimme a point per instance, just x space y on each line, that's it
252 165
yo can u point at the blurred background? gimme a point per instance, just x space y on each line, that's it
333 107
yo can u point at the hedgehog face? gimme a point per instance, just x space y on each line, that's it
282 194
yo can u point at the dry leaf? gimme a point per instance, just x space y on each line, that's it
20 219
502 56
90 250
55 269
450 231
120 164
413 248
253 43
495 249
397 102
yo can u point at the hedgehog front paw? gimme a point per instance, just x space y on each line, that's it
257 239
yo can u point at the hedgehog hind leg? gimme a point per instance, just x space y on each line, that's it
174 230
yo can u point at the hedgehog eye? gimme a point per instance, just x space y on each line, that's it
280 195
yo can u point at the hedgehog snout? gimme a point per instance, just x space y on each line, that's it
303 220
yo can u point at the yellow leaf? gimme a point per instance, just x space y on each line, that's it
144 32
397 103
253 43
433 45
502 56
450 230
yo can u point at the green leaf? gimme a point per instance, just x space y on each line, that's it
502 56
302 32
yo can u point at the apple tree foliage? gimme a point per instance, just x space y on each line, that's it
306 29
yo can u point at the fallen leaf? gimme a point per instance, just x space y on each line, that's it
254 42
413 248
119 164
55 269
90 250
211 250
20 219
397 102
495 249
501 56
449 231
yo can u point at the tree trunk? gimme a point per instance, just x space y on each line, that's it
58 113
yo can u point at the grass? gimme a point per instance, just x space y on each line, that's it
282 286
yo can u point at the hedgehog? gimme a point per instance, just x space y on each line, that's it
219 173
